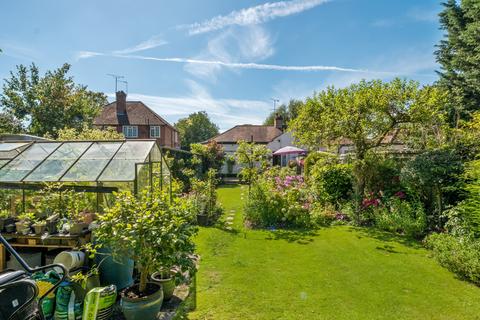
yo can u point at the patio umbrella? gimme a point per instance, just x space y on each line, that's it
289 150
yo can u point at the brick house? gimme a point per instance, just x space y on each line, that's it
137 121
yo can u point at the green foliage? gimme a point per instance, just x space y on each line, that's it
365 114
278 198
464 219
86 133
253 158
197 127
27 217
49 103
210 155
288 112
315 157
9 124
381 174
458 56
230 161
401 216
153 232
332 183
458 254
204 196
434 177
4 213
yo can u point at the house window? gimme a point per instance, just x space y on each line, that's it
130 131
154 131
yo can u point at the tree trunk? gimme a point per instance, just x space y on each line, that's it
143 280
359 172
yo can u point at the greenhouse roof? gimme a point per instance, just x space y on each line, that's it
78 161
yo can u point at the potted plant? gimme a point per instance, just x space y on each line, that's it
39 226
153 232
76 206
24 222
87 280
5 219
166 278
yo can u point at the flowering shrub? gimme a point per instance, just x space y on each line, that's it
279 198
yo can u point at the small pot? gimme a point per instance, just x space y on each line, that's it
143 308
168 284
5 221
10 228
202 220
78 227
39 228
25 231
52 227
22 225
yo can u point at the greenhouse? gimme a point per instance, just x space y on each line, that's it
86 166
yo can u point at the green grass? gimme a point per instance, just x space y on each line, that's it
331 273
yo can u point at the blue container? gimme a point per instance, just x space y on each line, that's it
113 272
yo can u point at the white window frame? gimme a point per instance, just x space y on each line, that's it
155 128
130 131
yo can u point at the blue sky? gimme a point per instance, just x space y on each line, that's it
228 58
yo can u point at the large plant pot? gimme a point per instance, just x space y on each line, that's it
112 272
142 308
10 228
167 283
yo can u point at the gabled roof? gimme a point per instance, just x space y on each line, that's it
137 114
250 133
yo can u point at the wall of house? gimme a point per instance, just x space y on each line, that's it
166 139
284 140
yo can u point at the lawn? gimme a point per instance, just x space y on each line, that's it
332 273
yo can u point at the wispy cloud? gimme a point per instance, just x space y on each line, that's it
225 112
151 43
86 54
252 43
424 14
253 15
248 65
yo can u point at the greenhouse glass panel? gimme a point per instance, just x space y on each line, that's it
122 167
19 167
2 162
92 162
58 162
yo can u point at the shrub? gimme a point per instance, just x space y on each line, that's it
433 176
320 158
278 198
458 254
400 216
331 183
204 196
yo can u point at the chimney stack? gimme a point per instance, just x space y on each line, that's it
121 102
278 122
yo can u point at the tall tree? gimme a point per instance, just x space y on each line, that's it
197 127
47 104
459 56
288 112
365 114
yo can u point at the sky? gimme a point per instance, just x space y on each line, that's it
228 58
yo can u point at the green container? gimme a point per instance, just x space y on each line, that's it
143 308
167 284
